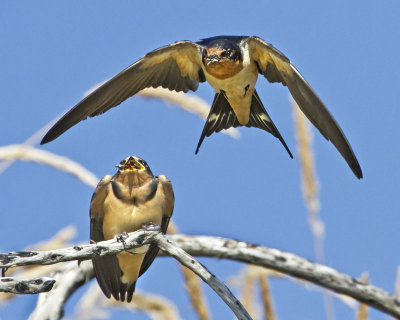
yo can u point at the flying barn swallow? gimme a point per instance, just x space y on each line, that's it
231 65
123 203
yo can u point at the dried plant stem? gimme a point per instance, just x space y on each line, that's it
193 287
310 188
362 313
186 101
266 298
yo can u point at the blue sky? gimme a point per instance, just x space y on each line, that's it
248 189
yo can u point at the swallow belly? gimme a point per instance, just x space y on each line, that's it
238 90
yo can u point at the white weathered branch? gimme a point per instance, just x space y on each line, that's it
27 153
229 249
188 261
50 305
82 252
47 309
26 286
290 264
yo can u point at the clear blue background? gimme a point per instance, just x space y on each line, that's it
51 52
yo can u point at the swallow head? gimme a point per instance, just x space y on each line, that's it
132 164
222 58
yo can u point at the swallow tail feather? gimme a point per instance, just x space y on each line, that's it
110 281
222 116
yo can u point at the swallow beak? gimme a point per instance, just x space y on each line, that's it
130 164
213 58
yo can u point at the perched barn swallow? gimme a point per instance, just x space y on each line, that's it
123 203
231 65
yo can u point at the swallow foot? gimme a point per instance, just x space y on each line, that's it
121 238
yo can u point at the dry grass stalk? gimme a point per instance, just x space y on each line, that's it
247 279
266 297
310 184
186 101
398 282
157 307
94 305
248 298
193 287
25 153
362 313
310 189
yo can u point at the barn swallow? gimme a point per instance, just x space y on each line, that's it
123 203
231 65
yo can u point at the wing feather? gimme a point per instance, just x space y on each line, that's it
106 269
276 67
175 67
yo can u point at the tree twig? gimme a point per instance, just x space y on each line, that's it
26 286
290 264
224 248
50 305
27 153
221 289
83 252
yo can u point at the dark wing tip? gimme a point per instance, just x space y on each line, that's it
198 146
355 167
47 138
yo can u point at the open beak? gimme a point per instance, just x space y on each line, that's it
131 165
213 58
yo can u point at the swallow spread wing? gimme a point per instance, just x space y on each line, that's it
230 64
123 203
277 68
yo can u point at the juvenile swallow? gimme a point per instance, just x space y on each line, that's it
230 64
123 203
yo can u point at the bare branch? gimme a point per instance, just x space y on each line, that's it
69 278
221 289
222 248
290 264
26 286
83 252
26 153
48 310
30 142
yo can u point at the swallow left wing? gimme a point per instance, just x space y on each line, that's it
176 67
276 67
106 269
168 208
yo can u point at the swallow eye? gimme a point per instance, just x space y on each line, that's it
225 53
229 51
